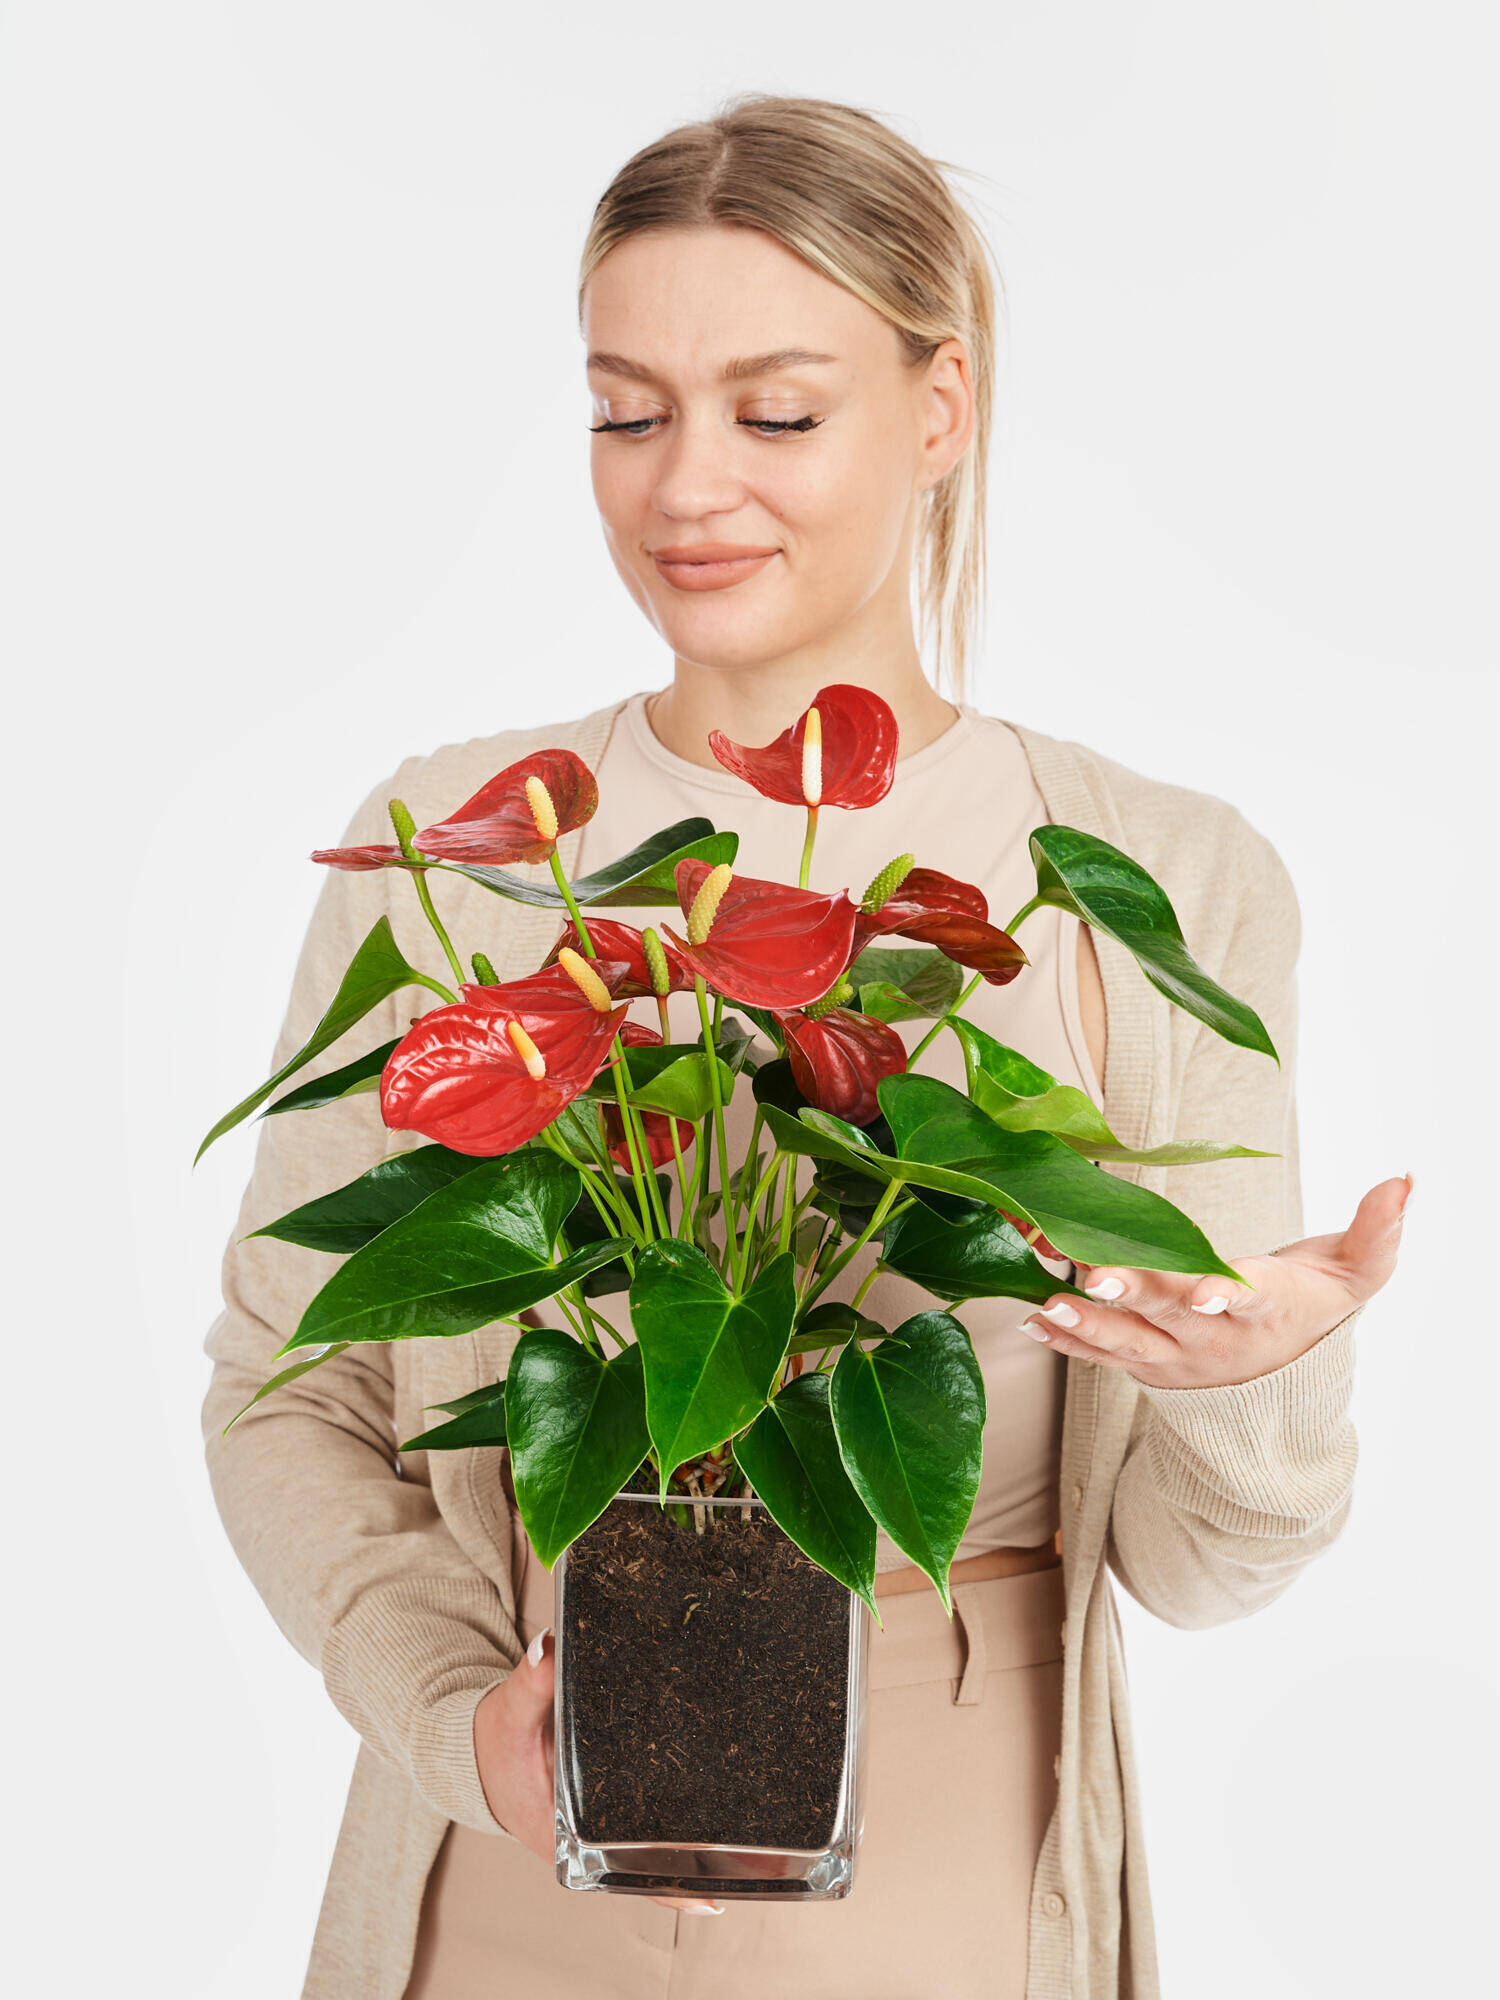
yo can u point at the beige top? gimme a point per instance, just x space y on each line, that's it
393 1575
971 801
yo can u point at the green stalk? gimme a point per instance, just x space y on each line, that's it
942 1021
846 1257
804 872
711 1047
424 896
435 986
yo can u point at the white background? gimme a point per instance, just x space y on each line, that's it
295 484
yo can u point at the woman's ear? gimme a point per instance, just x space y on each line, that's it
945 411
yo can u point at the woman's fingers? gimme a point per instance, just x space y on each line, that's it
1099 1333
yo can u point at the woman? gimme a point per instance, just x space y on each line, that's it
788 319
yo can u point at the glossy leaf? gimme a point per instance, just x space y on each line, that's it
302 1367
830 1325
475 1251
353 1079
791 1456
479 1424
641 879
577 1431
1092 1217
353 1215
895 985
909 1416
682 1087
712 1360
974 1255
1083 874
376 970
1023 1097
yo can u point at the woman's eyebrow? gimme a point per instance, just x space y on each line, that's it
738 370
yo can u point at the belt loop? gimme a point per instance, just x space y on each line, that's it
970 1613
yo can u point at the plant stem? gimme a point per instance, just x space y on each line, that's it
845 1257
804 872
942 1021
434 986
424 896
711 1046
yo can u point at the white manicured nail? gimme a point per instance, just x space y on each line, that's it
1037 1332
1214 1305
1107 1288
534 1650
1062 1312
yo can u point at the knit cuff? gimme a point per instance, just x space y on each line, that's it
407 1664
1272 1443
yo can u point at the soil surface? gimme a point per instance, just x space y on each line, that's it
706 1675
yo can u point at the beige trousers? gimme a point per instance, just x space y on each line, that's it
963 1725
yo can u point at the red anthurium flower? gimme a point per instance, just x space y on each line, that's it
859 740
379 856
937 909
658 1126
768 945
612 940
1038 1242
518 815
838 1060
486 1074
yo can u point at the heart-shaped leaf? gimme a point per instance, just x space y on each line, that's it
909 1416
640 879
353 1215
976 1255
712 1359
576 1426
791 1457
475 1251
1082 873
943 1141
905 985
684 1088
1023 1097
376 970
360 1075
830 1325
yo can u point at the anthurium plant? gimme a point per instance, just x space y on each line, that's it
572 1153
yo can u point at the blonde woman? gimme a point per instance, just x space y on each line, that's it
788 318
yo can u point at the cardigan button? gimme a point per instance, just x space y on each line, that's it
1077 1496
1053 1904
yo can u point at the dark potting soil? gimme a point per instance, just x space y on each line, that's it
707 1679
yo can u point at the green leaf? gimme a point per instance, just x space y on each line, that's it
376 970
477 1399
1022 1097
711 1359
287 1375
896 985
480 1425
945 1142
577 1430
909 1416
641 878
1079 872
475 1251
977 1255
830 1325
353 1215
683 1087
791 1457
361 1075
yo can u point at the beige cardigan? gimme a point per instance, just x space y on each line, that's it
392 1575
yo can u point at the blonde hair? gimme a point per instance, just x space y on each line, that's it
865 207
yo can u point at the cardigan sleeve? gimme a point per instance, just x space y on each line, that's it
1226 1492
353 1560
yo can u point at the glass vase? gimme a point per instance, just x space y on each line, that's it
710 1706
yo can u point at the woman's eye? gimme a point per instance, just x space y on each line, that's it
763 426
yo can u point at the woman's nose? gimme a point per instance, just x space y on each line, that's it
696 473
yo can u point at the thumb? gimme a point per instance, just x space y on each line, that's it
534 1674
1370 1243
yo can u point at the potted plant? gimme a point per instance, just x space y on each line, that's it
706 1481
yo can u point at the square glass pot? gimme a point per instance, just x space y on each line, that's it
710 1706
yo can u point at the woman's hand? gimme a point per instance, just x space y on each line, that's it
1196 1333
513 1731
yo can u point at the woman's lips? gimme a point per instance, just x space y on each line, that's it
715 569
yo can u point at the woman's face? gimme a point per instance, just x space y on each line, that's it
689 335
